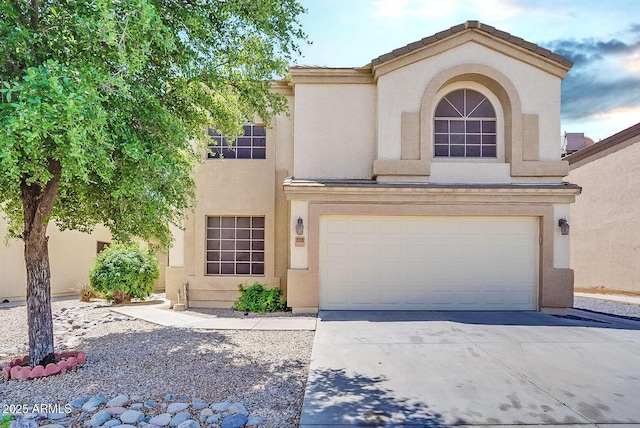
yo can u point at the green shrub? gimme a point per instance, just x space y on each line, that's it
258 299
123 272
5 422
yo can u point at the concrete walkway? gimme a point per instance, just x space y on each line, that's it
480 369
159 314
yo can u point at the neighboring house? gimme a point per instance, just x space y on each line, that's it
574 141
428 179
71 256
605 231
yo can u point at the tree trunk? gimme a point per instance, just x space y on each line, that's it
37 203
40 320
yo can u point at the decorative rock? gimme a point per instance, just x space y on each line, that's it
131 417
254 421
150 404
162 420
112 423
136 406
238 408
177 407
81 357
169 397
99 418
15 371
54 426
213 418
136 397
37 371
199 404
189 424
120 400
93 403
6 371
180 418
24 373
183 398
234 421
23 423
220 407
51 369
56 416
205 413
116 410
78 402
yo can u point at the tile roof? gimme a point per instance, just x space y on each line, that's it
472 25
612 141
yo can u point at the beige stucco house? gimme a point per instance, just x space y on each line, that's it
605 233
428 179
71 257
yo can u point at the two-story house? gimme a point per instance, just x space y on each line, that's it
428 179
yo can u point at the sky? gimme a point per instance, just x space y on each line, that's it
601 93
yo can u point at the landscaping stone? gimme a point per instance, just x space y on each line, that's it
162 420
116 410
78 402
150 404
131 417
220 407
112 423
199 404
205 413
56 416
238 408
119 401
254 421
99 418
176 407
234 421
179 418
169 397
93 403
137 406
189 424
212 419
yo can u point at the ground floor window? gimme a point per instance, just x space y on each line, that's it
235 245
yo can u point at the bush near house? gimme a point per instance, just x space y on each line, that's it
123 272
256 298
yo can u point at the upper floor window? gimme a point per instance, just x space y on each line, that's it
465 126
252 145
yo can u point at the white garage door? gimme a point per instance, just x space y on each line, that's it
434 263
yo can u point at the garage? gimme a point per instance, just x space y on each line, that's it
428 263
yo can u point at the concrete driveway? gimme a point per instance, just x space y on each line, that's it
440 369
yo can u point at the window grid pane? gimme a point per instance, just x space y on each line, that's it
235 246
471 135
249 146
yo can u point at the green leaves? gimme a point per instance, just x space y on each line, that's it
117 91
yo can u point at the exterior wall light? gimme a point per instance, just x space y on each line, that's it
564 226
300 227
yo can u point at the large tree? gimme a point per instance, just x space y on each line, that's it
100 103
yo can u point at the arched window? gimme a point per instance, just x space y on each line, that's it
465 126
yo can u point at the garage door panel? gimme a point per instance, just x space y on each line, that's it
428 262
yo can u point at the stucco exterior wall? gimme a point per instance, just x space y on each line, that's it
401 91
71 255
605 233
334 130
235 187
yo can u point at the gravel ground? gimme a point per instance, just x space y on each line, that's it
264 370
607 307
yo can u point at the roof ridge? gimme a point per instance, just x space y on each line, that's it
473 25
